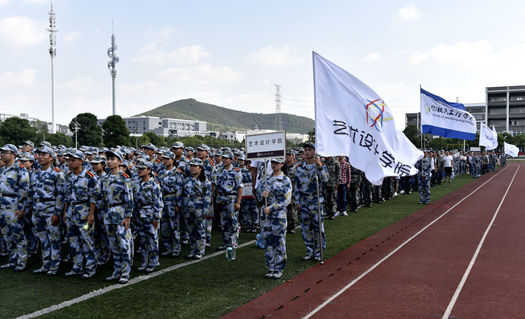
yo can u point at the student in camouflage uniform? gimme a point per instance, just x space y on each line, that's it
171 180
353 191
118 196
27 160
99 231
228 185
46 201
208 165
81 194
305 188
14 187
148 210
196 193
366 191
183 165
277 189
248 212
330 187
424 174
289 170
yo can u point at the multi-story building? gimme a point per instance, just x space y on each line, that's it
506 108
166 127
38 124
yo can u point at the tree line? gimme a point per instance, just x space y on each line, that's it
113 132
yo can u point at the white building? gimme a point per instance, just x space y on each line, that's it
34 122
234 136
166 127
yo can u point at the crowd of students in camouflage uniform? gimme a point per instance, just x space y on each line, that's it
118 202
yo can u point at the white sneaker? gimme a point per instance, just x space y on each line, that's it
344 213
337 214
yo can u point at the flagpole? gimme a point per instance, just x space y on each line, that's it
420 120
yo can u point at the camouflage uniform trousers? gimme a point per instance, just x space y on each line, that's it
248 213
291 215
330 200
13 233
148 238
424 189
101 238
82 246
310 226
377 195
229 221
353 196
29 231
366 188
50 242
119 241
275 239
170 228
197 230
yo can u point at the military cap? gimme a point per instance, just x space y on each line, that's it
97 159
46 149
168 154
309 144
29 143
26 156
45 143
114 153
196 162
217 153
241 157
190 149
227 155
149 146
277 160
10 147
178 145
203 147
77 154
144 165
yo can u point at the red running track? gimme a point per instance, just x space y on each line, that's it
413 268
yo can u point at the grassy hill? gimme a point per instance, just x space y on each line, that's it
220 118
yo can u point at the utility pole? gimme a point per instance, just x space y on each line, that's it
52 52
112 64
76 127
278 107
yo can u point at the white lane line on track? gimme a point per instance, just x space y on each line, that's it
132 281
455 297
353 282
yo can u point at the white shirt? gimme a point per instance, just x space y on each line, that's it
447 159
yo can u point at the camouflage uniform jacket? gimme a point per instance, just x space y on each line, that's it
47 191
148 200
227 183
171 186
14 186
355 176
184 165
304 183
279 194
334 172
118 197
196 196
80 191
423 165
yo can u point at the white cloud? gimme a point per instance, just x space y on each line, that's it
409 12
37 1
201 75
21 32
25 78
71 36
275 57
184 55
4 2
472 54
78 85
372 57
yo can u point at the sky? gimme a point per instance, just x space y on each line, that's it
232 53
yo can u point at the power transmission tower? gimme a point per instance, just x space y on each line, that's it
278 107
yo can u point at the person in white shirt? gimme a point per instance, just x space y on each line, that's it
447 164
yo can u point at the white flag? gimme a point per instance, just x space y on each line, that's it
511 150
352 120
487 138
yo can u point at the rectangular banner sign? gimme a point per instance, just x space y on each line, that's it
266 145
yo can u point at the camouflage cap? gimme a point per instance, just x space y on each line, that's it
26 156
178 145
114 153
277 160
46 149
309 144
190 149
97 159
203 147
149 146
144 165
45 143
29 143
196 162
10 147
76 154
168 154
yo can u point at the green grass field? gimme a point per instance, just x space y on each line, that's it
207 289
